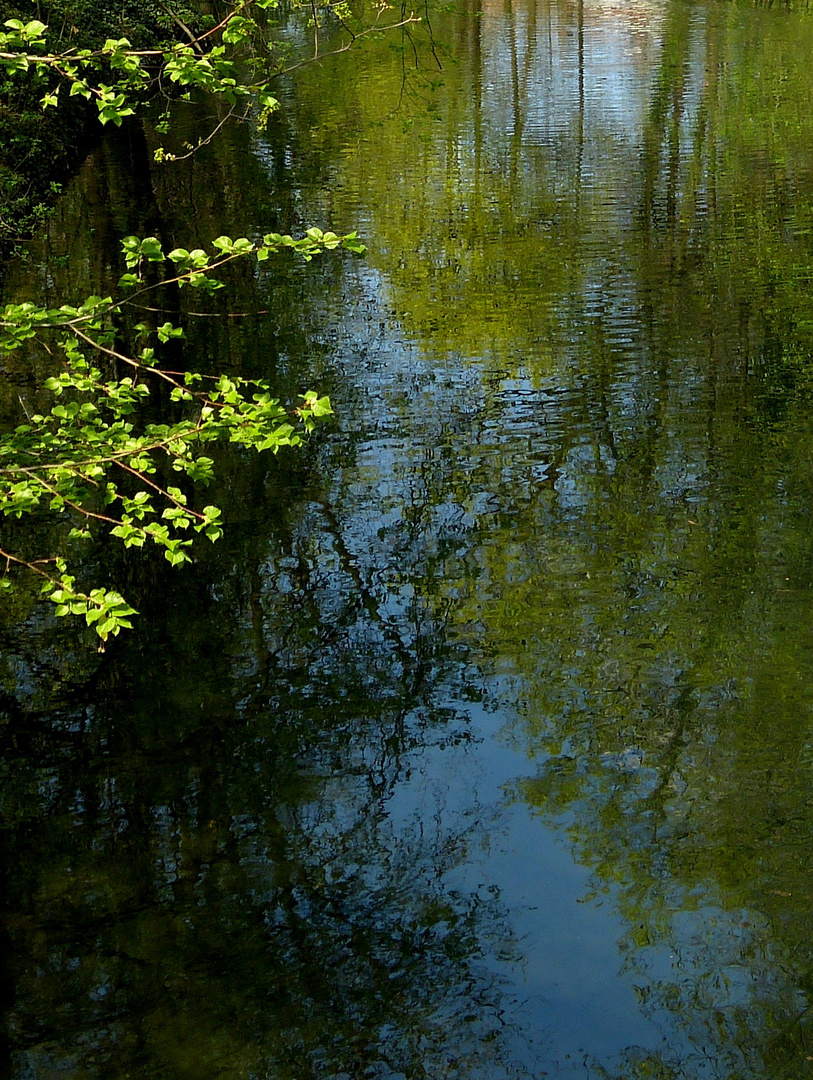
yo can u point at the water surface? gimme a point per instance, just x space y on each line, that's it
481 746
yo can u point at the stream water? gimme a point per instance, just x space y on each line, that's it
482 744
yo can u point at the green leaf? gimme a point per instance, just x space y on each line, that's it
150 248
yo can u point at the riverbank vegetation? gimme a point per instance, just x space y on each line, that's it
42 146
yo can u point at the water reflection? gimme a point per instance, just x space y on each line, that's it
607 299
482 746
202 868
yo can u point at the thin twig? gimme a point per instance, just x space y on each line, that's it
162 491
205 142
120 356
29 565
184 27
199 315
75 506
376 29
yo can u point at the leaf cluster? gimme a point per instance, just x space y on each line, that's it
98 460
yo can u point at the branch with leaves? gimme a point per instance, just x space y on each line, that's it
96 461
234 60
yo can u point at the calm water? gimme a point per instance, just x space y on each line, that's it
482 746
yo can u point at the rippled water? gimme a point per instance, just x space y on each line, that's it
481 746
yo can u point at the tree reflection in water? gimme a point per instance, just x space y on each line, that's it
201 868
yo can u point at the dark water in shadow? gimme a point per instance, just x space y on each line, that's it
481 745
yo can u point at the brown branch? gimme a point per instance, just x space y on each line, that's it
75 506
165 375
225 22
160 490
29 565
199 315
120 356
